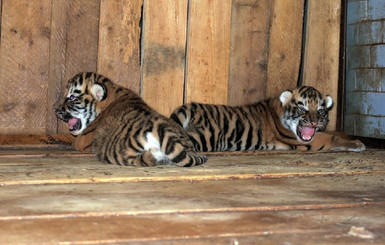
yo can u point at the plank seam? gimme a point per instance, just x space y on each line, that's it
186 178
304 207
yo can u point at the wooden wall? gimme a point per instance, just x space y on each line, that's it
171 52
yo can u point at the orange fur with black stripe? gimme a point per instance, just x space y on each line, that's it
295 120
120 127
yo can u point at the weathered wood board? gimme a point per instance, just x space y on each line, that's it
321 60
81 42
284 47
164 54
296 227
119 42
62 167
57 61
98 199
264 197
222 52
250 29
208 51
24 62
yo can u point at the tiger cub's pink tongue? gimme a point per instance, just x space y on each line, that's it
307 133
72 122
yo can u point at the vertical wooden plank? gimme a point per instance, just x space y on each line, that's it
82 37
24 62
81 41
322 50
1 7
119 37
250 26
164 45
57 54
1 18
284 46
208 51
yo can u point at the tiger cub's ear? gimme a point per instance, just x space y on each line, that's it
98 92
329 102
285 97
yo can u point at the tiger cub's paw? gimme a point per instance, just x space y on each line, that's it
349 145
356 145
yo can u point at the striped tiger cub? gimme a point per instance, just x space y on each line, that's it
293 121
119 127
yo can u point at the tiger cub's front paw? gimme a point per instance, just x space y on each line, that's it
356 145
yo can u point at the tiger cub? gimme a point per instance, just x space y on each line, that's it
120 127
294 120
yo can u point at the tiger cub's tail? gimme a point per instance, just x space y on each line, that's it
181 117
191 159
183 156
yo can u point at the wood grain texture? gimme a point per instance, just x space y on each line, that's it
82 37
107 199
57 55
164 54
250 27
119 42
208 51
321 63
333 197
35 141
221 52
185 195
24 62
312 226
81 42
1 7
61 167
284 47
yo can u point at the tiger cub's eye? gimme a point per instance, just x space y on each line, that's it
71 98
321 111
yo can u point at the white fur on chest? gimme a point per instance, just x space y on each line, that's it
153 145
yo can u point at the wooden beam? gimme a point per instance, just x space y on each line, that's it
164 54
119 42
322 50
250 26
284 46
208 51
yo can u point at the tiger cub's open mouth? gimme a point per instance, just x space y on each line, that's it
74 124
306 133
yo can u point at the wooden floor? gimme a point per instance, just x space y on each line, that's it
64 197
